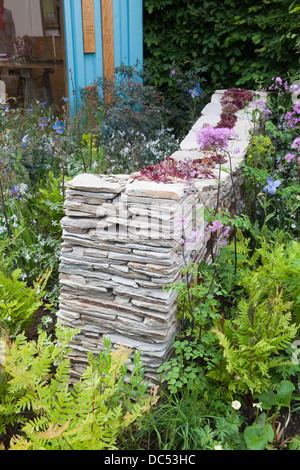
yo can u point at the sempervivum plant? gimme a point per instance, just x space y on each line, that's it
171 170
232 101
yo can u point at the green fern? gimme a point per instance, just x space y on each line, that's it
90 415
19 302
250 343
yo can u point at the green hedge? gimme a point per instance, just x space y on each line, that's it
241 43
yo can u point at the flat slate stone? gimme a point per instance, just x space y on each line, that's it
212 109
151 189
93 183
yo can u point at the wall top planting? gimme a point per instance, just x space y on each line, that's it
122 242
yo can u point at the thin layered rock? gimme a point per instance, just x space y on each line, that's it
119 254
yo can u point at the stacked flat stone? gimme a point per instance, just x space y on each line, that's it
121 250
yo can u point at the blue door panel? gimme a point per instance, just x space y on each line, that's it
83 69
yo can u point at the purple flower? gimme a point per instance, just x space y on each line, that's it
43 122
294 88
14 190
59 127
216 225
296 144
289 157
272 186
210 136
226 231
195 91
258 104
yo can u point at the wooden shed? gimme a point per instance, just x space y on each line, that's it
51 48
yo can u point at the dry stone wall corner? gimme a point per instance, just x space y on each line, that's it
121 249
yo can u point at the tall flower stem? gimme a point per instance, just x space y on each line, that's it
276 135
235 212
4 208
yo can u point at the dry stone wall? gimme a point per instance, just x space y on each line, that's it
121 249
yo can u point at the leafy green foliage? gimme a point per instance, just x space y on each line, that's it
251 341
265 432
239 43
19 302
90 415
190 420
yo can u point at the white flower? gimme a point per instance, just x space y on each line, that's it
22 188
258 406
218 447
236 405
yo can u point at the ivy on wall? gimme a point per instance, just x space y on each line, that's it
239 43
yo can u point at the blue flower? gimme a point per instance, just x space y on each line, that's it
24 140
272 186
59 127
65 100
195 91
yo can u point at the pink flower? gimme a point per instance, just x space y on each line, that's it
210 136
226 231
289 157
294 89
296 144
258 104
216 225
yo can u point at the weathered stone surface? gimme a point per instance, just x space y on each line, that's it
93 183
212 109
155 190
189 142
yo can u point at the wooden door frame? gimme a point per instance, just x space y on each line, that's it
62 29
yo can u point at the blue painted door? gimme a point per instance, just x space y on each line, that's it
83 69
